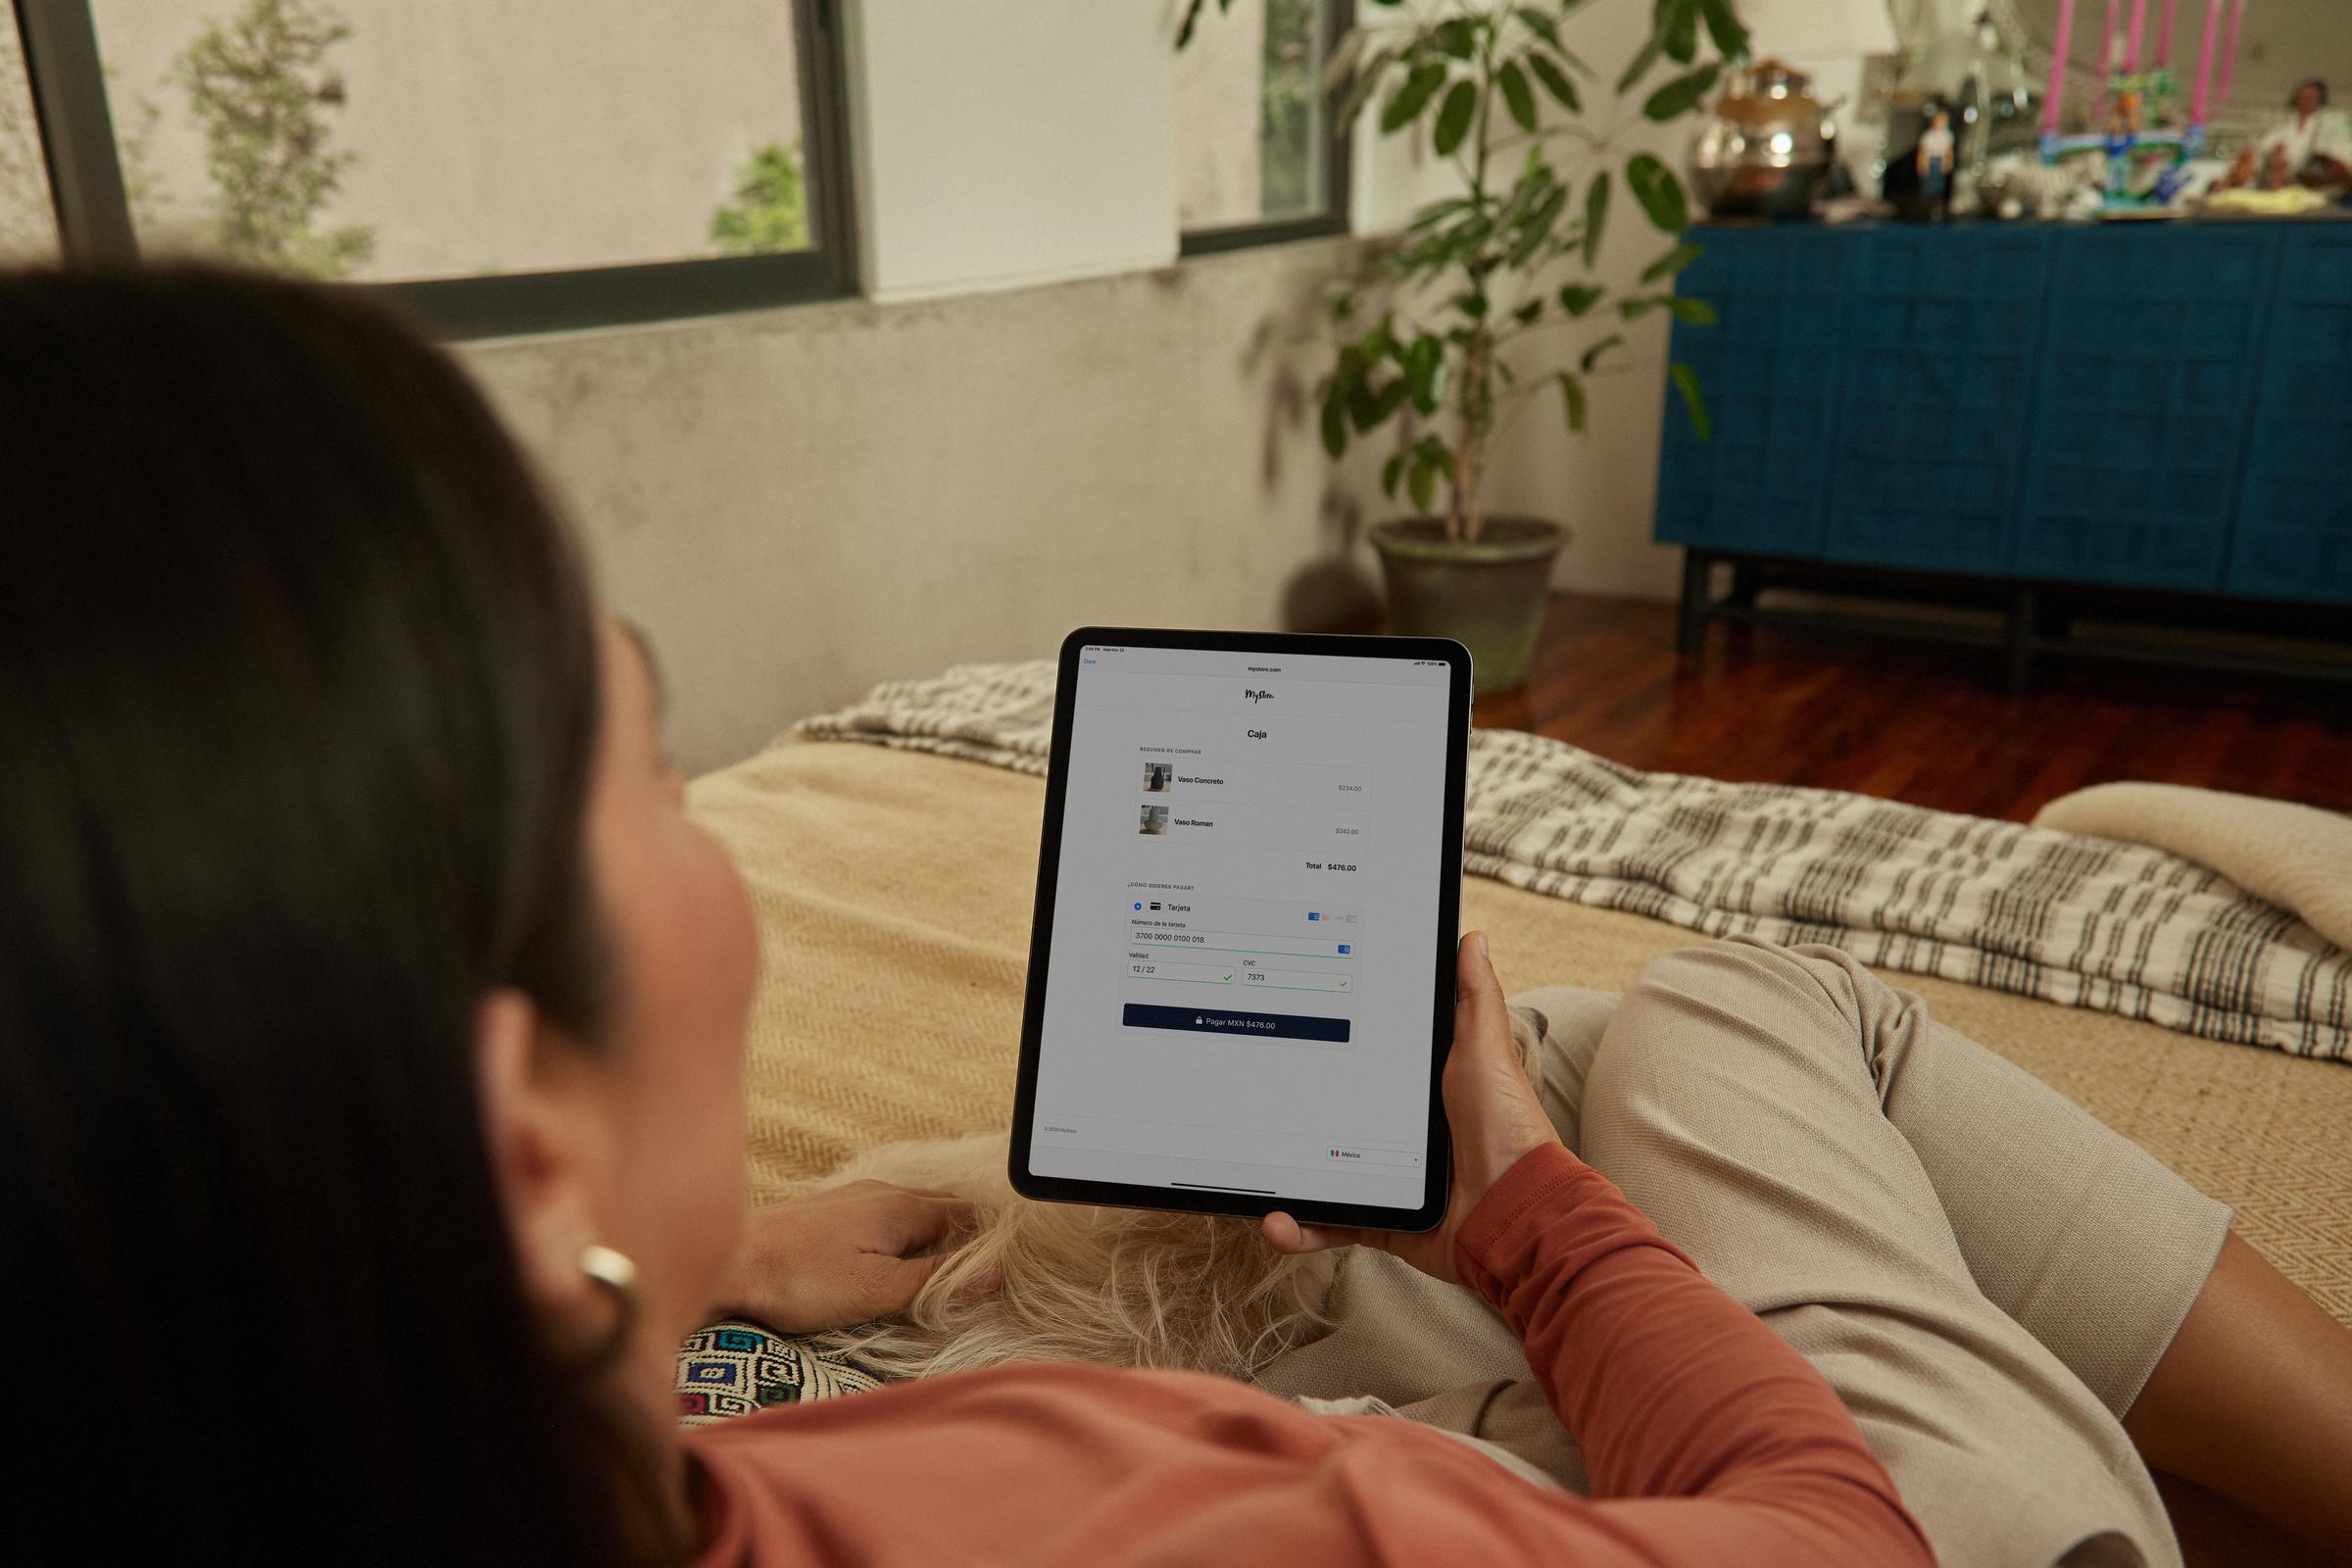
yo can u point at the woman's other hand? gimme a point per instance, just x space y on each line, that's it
1490 1108
839 1256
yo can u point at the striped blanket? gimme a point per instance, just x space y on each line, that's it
2123 928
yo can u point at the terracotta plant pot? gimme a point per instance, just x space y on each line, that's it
1488 596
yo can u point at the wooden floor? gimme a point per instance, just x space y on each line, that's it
1912 722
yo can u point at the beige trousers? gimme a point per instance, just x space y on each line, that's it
1986 1274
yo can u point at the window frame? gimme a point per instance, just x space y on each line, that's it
94 224
1339 162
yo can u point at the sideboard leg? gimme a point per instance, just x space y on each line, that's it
2018 644
1747 586
1692 637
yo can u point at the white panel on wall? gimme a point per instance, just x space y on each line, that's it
1005 142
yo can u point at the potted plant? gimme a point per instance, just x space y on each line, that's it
1496 88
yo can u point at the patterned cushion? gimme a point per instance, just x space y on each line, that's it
734 1368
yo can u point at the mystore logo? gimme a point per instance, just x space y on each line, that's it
1256 696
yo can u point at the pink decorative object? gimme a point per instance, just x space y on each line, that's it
2056 91
2213 24
2237 15
2139 26
2106 66
2164 35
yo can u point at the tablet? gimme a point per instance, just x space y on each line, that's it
1241 970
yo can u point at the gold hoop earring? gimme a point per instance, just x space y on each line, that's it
618 1275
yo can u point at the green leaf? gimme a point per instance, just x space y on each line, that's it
1361 83
1334 418
1517 95
1536 228
1633 73
1576 62
1526 191
1555 82
1340 65
1680 95
1423 486
1542 25
1657 190
1572 396
1390 471
1723 26
1192 20
1342 304
1419 87
1436 211
1597 214
1474 306
1696 313
1681 32
1453 117
1634 309
1578 298
1686 381
1457 37
1524 314
1673 262
1422 364
1592 355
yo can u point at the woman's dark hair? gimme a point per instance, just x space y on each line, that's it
298 702
2313 83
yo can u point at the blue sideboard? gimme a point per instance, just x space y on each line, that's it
2024 409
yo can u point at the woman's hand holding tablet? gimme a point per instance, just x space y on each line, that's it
1490 1108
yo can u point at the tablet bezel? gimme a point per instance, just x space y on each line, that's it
1438 1168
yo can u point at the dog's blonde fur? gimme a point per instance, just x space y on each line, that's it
1119 1287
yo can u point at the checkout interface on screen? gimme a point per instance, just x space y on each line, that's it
1243 925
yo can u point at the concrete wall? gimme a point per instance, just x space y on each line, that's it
800 503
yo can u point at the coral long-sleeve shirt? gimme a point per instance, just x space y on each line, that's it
1706 1440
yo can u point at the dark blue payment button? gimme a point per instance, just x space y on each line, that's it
1218 1021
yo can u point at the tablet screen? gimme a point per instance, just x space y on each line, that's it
1245 909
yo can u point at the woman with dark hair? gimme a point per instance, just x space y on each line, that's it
370 1053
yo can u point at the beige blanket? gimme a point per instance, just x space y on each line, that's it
894 892
2296 857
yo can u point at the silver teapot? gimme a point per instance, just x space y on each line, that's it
1764 149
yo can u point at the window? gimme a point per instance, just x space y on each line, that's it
1260 160
512 167
28 221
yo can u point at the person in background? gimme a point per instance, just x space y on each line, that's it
1935 163
2310 146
